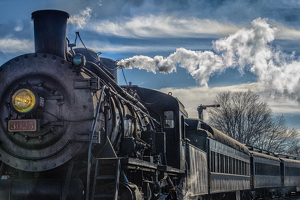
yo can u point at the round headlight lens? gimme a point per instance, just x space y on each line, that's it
23 100
77 60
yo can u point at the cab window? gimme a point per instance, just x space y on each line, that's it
168 119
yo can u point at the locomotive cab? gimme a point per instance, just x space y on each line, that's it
170 114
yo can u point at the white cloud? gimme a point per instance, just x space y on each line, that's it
159 26
108 47
194 96
15 45
282 105
285 32
155 26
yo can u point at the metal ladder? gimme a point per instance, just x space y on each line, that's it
107 172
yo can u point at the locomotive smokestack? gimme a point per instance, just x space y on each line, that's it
50 27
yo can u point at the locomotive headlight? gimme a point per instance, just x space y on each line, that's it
78 59
24 101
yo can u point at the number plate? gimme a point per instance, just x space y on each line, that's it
22 125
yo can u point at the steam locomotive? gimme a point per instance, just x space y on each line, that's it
69 131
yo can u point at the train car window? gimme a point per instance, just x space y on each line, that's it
292 171
212 159
237 167
230 165
233 166
169 119
257 169
222 163
240 167
266 169
226 165
217 162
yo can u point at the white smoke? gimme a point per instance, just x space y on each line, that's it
199 64
246 48
82 18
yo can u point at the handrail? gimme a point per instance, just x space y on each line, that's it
90 146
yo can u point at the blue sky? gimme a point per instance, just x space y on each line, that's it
192 48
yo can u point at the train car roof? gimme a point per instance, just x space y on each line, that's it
261 155
286 160
283 157
213 133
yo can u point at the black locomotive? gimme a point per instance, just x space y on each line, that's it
69 131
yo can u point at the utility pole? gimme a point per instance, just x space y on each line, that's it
203 107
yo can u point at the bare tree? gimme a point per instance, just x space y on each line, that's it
244 117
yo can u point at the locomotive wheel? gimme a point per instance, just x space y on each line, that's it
128 191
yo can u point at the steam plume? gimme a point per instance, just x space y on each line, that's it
246 48
82 18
